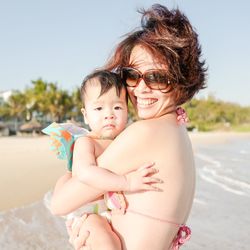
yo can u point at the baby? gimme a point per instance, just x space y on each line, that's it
105 111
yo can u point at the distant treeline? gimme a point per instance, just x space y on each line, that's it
212 114
46 102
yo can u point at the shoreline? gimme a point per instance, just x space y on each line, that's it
216 137
29 169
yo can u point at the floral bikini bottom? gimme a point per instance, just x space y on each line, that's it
183 234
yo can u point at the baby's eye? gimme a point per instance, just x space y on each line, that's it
117 107
98 108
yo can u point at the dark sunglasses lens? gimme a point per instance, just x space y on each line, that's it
130 76
156 79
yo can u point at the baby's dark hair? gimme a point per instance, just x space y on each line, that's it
171 39
107 81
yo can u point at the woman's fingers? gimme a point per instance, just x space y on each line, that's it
69 226
76 225
80 241
83 235
85 248
78 236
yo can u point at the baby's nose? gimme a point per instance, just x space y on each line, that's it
109 116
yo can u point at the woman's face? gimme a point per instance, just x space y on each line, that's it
149 103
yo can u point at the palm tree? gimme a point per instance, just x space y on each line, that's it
77 105
16 107
36 97
58 103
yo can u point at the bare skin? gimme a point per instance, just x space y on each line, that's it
178 174
157 138
174 203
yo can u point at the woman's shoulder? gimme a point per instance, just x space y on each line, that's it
157 131
139 128
151 126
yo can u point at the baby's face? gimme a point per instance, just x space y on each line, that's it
107 114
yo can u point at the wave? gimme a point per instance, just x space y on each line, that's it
32 227
227 178
220 184
244 152
208 159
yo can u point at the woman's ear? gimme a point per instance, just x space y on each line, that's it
84 113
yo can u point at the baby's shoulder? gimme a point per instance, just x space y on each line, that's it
84 141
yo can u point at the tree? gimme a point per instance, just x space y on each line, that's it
16 107
76 99
36 97
58 102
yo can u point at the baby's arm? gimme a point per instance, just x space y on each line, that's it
87 171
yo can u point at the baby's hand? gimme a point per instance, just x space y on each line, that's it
141 179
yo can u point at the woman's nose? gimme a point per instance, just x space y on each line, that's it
142 86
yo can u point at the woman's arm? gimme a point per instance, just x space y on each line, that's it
72 195
120 157
61 181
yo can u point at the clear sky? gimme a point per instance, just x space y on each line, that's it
62 41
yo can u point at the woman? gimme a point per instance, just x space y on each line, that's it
162 69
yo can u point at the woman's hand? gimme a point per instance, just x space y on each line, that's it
142 180
77 235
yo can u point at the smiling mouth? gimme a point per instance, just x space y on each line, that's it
145 102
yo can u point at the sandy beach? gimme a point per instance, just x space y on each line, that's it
219 218
28 170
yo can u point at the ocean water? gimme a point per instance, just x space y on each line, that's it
32 227
220 217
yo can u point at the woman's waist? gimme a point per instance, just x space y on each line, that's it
132 222
164 206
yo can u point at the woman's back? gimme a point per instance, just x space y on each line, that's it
153 214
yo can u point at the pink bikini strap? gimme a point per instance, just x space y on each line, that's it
182 117
152 217
183 235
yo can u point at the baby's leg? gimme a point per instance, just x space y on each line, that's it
101 235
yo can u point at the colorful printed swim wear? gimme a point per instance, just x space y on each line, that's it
63 137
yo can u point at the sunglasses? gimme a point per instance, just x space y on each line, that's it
156 79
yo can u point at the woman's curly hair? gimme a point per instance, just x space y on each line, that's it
169 36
